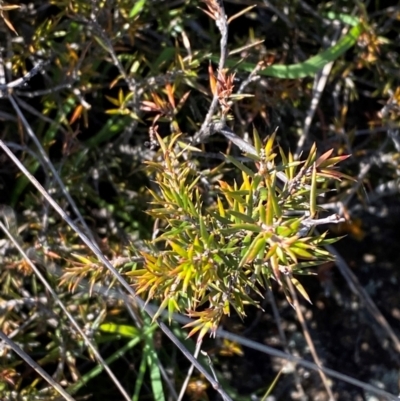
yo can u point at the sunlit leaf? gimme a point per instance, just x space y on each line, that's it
313 193
300 289
137 8
122 329
256 247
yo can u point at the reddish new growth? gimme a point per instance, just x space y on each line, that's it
222 87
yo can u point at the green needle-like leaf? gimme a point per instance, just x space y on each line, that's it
300 289
254 249
240 166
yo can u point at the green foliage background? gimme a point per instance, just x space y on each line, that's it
113 73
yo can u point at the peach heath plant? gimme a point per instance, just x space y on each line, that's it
209 259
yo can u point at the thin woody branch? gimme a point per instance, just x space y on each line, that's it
217 12
23 80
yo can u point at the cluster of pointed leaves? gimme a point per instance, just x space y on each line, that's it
209 260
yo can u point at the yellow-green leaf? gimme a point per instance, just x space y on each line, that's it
300 289
122 329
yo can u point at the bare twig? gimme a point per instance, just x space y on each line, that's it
23 80
308 338
217 12
365 167
190 371
50 166
41 116
284 342
244 146
358 290
319 85
44 92
278 13
36 367
302 362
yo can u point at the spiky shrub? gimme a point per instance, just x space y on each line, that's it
210 259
